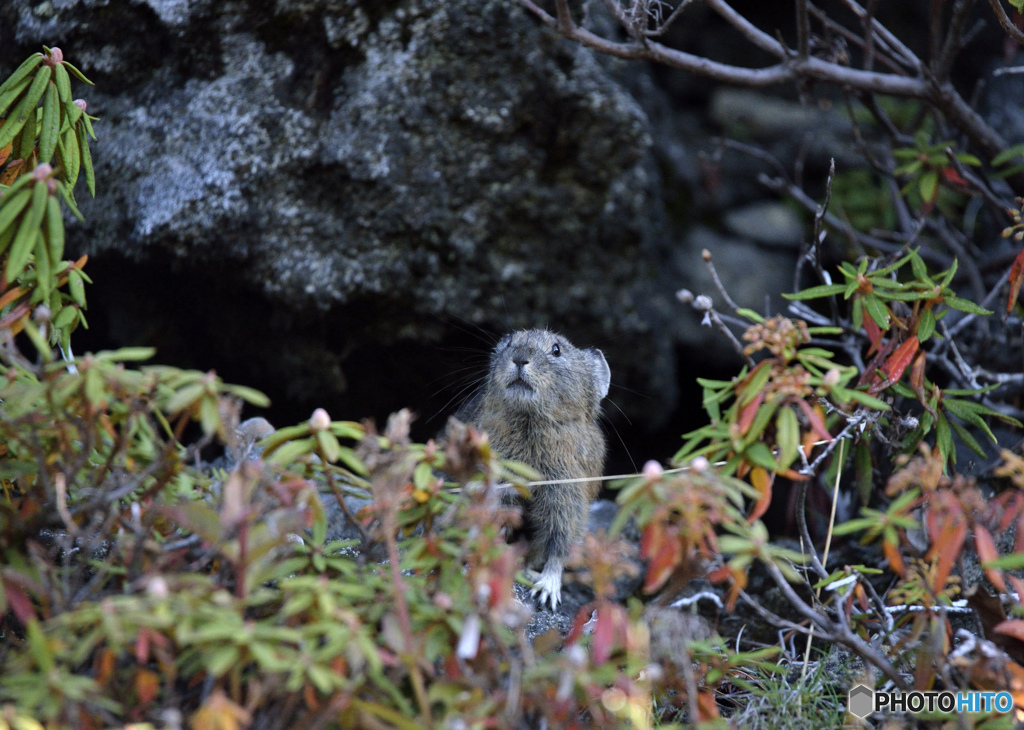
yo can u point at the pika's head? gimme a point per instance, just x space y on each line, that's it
537 371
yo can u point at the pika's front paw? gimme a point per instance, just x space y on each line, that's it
548 585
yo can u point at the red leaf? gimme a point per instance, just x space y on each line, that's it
19 601
1015 279
604 633
986 548
582 616
893 368
748 412
1013 627
956 180
874 334
816 418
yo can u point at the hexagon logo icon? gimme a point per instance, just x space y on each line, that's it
861 700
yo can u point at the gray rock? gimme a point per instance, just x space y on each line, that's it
381 163
766 222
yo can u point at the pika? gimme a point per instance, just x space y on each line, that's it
539 404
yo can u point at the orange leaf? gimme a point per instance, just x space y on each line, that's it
9 175
147 685
762 482
104 666
986 548
5 152
892 554
947 528
664 560
1015 279
707 706
218 712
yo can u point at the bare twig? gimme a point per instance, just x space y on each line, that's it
1005 23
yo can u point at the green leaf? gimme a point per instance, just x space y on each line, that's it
76 287
185 398
1013 561
13 124
20 74
78 74
1016 150
71 155
11 93
864 399
209 416
863 471
788 435
755 386
944 439
44 272
249 395
968 439
761 419
12 205
63 81
877 311
925 325
815 292
291 450
329 446
55 233
219 659
348 457
964 305
759 454
750 314
24 240
69 199
50 124
90 174
920 270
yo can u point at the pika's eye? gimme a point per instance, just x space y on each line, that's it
556 350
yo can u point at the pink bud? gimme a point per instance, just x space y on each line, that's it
699 465
653 470
320 421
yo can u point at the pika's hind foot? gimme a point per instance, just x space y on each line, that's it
547 586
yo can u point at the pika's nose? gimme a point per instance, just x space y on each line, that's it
520 361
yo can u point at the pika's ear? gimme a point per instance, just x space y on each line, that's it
600 370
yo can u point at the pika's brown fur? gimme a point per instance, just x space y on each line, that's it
539 405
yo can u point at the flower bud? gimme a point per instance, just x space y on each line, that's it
653 470
319 421
699 465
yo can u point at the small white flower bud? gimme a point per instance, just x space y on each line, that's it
319 421
699 465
